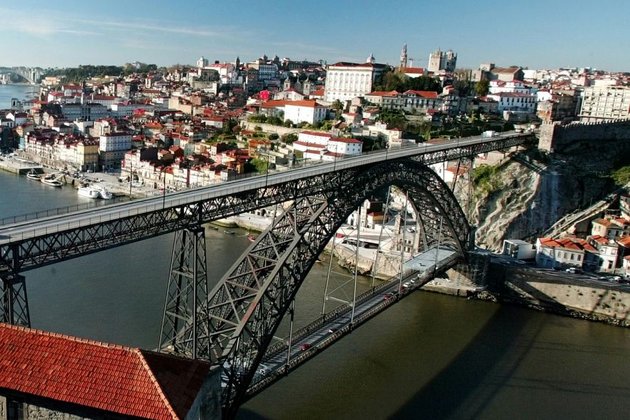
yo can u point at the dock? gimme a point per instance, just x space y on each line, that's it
19 166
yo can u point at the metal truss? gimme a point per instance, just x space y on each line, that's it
249 302
60 245
186 294
13 300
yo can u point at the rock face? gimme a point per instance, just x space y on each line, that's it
534 191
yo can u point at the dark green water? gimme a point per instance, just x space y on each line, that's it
428 357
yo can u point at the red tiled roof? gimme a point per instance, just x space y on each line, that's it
383 93
429 94
116 379
304 103
274 104
309 145
575 244
624 241
315 133
413 70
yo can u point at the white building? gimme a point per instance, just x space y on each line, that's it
345 147
304 111
346 81
514 102
112 148
322 146
605 103
564 252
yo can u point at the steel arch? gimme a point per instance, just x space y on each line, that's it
247 305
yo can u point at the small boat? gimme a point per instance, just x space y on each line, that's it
33 175
51 180
89 192
94 191
228 232
251 237
105 195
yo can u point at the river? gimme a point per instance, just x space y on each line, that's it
429 356
19 91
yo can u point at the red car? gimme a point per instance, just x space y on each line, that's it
305 346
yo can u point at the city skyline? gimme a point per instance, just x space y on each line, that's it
541 35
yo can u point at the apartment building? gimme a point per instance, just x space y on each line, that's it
605 103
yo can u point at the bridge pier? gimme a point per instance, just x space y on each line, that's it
186 295
14 300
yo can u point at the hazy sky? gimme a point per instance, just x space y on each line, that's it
534 33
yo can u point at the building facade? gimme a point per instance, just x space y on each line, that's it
442 61
346 81
605 103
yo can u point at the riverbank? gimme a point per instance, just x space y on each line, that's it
558 292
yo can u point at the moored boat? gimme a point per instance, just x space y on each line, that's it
89 192
33 175
52 180
94 191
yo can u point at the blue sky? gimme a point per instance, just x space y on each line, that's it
534 33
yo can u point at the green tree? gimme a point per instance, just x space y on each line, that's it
288 138
482 87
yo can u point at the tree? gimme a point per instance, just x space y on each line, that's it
338 107
289 138
482 87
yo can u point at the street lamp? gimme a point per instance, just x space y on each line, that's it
163 190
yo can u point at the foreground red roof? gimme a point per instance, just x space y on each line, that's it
122 380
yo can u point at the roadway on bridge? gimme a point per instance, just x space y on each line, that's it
63 222
317 336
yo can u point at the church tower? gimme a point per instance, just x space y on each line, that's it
403 57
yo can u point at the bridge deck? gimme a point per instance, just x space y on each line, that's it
334 325
428 153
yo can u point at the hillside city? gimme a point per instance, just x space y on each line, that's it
192 126
148 131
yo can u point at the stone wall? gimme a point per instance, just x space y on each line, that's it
269 128
555 137
563 293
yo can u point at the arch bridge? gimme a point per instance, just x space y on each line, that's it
233 324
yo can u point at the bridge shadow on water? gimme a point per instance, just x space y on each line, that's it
467 385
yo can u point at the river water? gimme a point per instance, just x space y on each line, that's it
429 356
20 91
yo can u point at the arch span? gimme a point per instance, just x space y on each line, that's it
246 307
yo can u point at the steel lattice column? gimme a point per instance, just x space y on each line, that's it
186 295
14 302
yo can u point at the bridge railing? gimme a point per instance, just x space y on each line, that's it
234 186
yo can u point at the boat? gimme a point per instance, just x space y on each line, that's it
89 192
33 175
51 180
228 232
94 191
251 237
104 193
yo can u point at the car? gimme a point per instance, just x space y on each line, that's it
389 296
305 346
573 270
332 330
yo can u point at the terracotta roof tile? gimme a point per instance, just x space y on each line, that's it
117 379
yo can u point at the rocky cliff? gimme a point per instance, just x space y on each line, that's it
533 190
